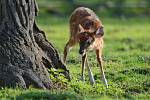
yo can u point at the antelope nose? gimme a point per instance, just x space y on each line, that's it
102 33
81 52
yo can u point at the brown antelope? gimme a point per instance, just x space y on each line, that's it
87 30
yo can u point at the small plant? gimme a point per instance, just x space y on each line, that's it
58 78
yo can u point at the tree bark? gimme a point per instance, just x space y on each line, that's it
25 53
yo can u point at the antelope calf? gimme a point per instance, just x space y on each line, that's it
87 30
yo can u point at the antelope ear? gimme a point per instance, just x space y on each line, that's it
81 29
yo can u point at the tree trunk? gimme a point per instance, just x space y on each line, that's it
25 53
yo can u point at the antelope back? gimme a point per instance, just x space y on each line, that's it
86 18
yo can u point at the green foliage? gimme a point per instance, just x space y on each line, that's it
109 8
58 78
97 89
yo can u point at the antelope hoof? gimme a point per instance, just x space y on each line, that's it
105 82
92 82
82 79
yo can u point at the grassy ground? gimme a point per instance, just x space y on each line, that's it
126 58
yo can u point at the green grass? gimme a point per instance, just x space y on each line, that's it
126 58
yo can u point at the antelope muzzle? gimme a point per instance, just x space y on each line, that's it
84 44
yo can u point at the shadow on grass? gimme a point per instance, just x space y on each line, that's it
47 96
